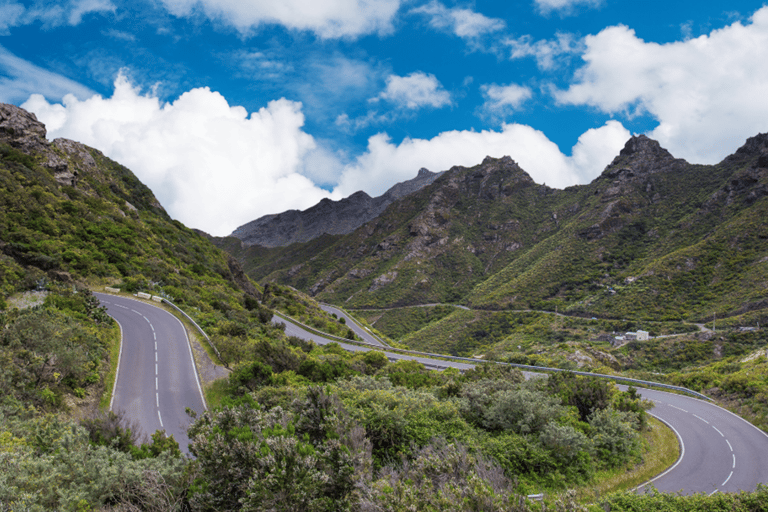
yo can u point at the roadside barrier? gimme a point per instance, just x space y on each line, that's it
177 308
616 378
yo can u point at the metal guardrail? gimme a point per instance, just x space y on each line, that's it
320 333
361 326
615 378
177 308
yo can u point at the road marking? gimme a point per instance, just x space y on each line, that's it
151 326
734 461
154 334
726 480
121 306
156 386
160 418
682 454
155 367
155 357
729 445
714 427
156 349
702 419
157 399
676 407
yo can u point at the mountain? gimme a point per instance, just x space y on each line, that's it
326 217
653 237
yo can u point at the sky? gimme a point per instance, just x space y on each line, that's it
233 109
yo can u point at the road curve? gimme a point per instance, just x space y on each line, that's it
721 452
361 331
156 378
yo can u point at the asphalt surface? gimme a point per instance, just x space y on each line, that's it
721 451
156 379
358 329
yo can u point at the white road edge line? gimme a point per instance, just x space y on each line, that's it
117 372
192 360
673 466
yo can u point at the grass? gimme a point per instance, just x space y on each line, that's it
661 450
109 378
215 392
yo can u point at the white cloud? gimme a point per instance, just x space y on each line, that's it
10 16
20 78
328 18
501 100
415 91
210 164
564 7
548 53
14 14
385 163
708 94
465 23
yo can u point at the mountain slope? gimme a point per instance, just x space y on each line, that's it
326 217
653 237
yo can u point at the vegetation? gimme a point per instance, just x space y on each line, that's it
640 247
302 427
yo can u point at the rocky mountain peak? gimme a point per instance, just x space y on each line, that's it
641 155
755 146
328 216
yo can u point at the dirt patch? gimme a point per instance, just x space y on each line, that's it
208 370
26 300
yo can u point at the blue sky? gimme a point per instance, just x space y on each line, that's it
233 109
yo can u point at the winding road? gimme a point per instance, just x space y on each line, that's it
720 451
157 381
156 378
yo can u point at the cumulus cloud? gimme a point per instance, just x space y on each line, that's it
464 23
385 163
328 19
501 100
415 91
708 94
211 165
549 53
20 78
564 7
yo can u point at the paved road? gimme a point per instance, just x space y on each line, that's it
358 329
156 378
721 451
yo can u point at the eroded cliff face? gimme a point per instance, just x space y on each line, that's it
327 217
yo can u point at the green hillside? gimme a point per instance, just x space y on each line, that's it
296 426
652 239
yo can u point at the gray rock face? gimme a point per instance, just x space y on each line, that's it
327 217
21 129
